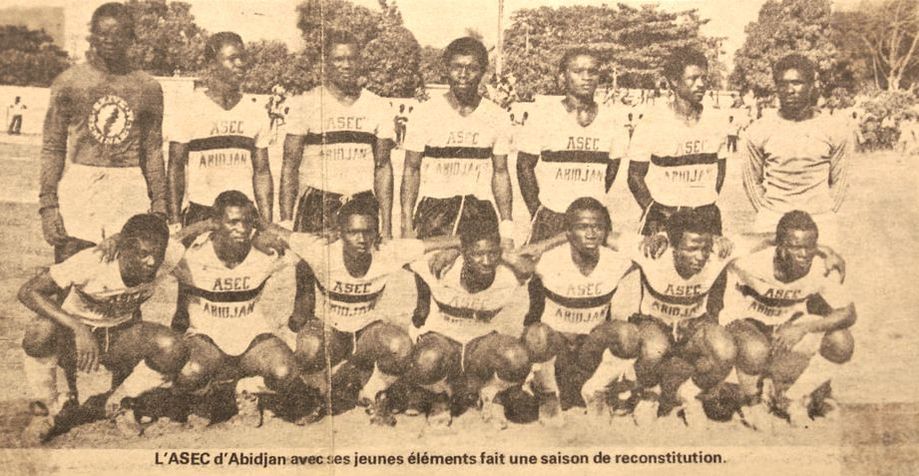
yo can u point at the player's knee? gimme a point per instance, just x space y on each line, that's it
752 355
195 374
282 374
654 345
395 350
39 339
429 364
537 339
514 363
310 351
720 345
170 352
837 346
623 339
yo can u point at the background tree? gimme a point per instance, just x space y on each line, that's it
881 38
784 27
168 39
630 41
29 57
271 63
432 67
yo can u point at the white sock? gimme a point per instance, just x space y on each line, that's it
252 385
141 380
493 387
610 369
544 376
379 382
41 378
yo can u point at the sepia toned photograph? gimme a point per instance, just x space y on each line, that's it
459 237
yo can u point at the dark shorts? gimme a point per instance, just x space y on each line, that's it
656 216
444 216
317 209
546 224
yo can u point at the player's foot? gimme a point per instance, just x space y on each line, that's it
550 410
196 422
798 415
493 413
439 415
758 417
124 418
826 409
248 412
380 412
314 415
39 427
645 413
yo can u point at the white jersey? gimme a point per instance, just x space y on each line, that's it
223 303
576 303
668 296
221 144
344 301
339 139
463 316
457 150
95 292
754 292
683 158
573 159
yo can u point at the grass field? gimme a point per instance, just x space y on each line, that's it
879 389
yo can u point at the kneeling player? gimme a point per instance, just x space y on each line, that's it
99 322
464 348
576 348
221 279
352 274
783 311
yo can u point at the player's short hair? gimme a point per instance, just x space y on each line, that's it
587 204
675 64
118 11
363 205
483 227
794 220
573 53
467 46
235 198
332 38
686 221
145 226
805 66
217 41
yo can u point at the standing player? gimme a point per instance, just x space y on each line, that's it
99 322
339 137
102 159
570 333
456 152
221 139
796 160
351 276
466 345
560 162
677 157
221 279
783 309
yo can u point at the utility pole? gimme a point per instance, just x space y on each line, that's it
499 48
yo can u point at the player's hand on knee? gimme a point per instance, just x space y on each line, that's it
87 350
723 246
788 336
654 246
109 248
834 262
52 226
268 244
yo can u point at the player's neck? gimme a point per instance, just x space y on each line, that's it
226 95
344 95
465 104
797 115
686 110
474 283
229 256
586 261
584 109
357 264
115 66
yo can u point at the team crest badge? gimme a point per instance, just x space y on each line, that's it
110 120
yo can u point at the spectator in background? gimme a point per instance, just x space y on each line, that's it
15 115
733 134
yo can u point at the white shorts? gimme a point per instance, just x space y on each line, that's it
95 202
827 225
234 336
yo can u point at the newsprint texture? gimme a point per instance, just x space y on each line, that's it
459 237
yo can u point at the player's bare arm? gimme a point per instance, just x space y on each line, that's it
290 178
722 169
39 294
151 155
262 183
753 174
788 335
178 159
637 185
53 158
411 180
612 170
383 183
526 176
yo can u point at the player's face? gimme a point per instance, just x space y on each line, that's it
139 260
692 253
582 76
231 62
236 226
110 39
464 73
588 231
358 235
342 65
691 86
794 90
482 257
796 251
